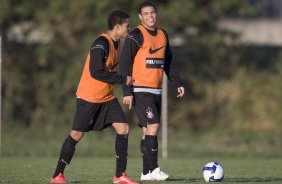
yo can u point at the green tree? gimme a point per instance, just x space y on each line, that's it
42 64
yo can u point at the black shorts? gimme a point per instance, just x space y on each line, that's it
147 107
97 116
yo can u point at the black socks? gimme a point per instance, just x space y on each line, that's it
66 155
148 147
146 166
151 143
121 146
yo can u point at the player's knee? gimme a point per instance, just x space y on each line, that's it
152 129
121 128
76 135
125 129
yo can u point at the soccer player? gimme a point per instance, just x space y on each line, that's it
97 107
145 56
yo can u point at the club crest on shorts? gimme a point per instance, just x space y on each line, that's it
149 113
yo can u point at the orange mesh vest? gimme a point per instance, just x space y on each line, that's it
149 61
93 90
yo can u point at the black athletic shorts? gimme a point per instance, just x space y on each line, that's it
97 116
147 107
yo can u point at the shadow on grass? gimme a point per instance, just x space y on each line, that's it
178 180
89 181
185 180
191 180
81 181
233 180
252 180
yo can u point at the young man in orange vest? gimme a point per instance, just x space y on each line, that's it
146 55
97 107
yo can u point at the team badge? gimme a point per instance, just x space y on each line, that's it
149 113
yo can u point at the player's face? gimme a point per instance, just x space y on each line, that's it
148 17
124 28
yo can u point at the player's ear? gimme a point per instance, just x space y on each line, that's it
117 27
120 26
140 17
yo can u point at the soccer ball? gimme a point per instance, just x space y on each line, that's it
213 172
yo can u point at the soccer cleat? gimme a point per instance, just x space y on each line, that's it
59 179
124 179
158 175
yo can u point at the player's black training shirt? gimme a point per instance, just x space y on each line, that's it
99 52
133 42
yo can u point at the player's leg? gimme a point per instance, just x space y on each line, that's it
67 151
84 111
147 108
121 147
143 111
151 142
143 149
115 115
153 115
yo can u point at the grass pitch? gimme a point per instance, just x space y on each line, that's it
100 170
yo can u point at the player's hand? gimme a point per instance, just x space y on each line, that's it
128 100
129 80
181 92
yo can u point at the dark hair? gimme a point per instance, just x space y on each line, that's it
146 4
116 17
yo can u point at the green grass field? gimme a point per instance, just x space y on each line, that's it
31 156
100 170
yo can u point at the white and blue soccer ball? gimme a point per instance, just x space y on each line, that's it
213 172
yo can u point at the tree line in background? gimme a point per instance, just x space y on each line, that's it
45 43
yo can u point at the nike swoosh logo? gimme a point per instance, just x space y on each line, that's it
64 161
152 51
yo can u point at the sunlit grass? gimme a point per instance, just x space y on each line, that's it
101 170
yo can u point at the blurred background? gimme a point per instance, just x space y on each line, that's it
228 53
